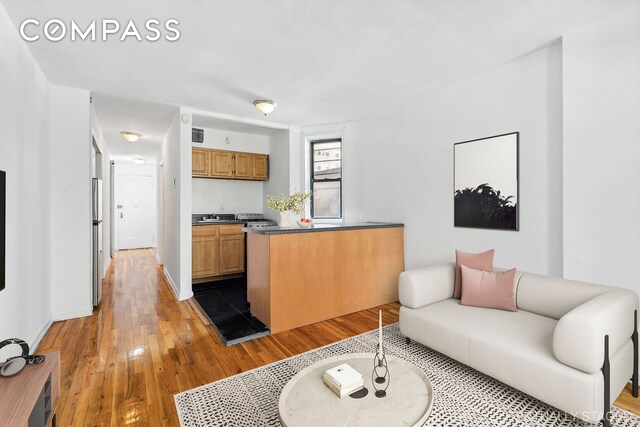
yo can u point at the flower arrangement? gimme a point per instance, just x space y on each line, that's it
294 203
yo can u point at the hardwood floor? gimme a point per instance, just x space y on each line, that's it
123 364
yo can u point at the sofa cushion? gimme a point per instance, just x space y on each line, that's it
488 289
481 261
553 297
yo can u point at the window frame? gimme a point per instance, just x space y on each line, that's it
312 143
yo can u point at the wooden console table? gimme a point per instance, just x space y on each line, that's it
30 398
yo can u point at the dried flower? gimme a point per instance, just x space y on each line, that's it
294 203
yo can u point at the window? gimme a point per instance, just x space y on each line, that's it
326 178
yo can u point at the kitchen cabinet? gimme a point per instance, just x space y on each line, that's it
232 254
204 251
200 162
221 164
260 166
243 165
217 250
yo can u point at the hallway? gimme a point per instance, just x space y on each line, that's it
123 364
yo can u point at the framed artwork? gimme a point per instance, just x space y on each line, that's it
486 182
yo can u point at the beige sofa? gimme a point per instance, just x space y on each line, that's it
572 345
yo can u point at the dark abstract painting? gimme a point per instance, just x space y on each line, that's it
486 182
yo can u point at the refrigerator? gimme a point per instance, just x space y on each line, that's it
96 255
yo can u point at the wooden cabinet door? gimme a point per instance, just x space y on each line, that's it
221 164
204 256
199 162
243 165
260 167
231 253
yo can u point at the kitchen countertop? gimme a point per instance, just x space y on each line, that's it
218 222
321 227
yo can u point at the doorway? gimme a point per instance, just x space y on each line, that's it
136 206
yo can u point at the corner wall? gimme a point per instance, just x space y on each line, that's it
70 189
25 303
176 208
601 79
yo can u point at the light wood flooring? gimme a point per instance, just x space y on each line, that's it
122 365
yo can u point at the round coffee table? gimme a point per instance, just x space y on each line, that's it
306 401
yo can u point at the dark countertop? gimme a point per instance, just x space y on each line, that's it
218 222
321 227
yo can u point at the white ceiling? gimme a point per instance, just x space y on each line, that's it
150 119
322 61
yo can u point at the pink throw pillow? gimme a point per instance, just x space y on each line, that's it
488 289
483 261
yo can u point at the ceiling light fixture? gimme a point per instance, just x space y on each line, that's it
131 136
138 161
265 106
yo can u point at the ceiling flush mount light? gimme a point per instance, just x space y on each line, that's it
138 161
130 136
265 106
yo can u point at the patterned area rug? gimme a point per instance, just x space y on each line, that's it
462 395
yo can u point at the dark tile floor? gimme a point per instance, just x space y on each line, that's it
225 304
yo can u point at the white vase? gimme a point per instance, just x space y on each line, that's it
284 219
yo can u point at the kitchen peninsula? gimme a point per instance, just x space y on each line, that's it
298 276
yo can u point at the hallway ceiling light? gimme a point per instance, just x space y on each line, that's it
138 161
130 136
265 106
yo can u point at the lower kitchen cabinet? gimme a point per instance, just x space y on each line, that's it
232 254
217 250
204 256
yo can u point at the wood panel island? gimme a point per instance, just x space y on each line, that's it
298 276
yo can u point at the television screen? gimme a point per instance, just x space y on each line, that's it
3 215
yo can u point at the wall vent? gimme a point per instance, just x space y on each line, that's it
197 135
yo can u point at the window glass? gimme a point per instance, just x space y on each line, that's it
326 178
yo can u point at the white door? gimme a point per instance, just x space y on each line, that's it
136 213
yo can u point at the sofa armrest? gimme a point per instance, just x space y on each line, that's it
427 285
578 339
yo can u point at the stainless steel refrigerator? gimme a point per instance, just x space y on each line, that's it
96 255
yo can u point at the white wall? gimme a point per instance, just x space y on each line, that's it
237 141
25 303
279 170
70 187
228 196
399 167
132 169
601 78
176 226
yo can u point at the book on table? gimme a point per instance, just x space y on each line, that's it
343 380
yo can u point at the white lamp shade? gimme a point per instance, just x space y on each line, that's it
265 106
130 136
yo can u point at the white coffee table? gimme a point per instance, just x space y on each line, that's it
306 401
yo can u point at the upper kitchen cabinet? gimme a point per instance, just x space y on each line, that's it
260 166
243 165
222 164
200 162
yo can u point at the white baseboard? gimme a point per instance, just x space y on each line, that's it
35 342
72 314
172 284
158 257
106 268
174 288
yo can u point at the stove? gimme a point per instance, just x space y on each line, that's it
255 220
